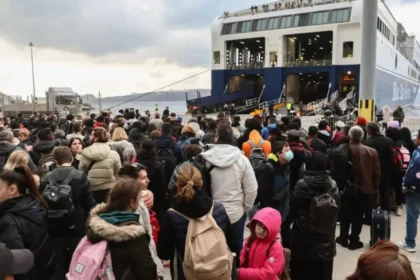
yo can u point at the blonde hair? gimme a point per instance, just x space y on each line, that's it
17 158
188 129
189 180
119 134
24 133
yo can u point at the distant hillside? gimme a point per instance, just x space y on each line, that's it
156 96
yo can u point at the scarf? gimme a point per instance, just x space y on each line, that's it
118 217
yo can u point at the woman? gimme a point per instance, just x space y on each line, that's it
76 146
119 140
118 223
406 141
399 115
313 233
383 261
187 137
136 135
156 174
20 158
23 220
101 164
191 201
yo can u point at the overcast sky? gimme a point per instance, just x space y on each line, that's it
118 46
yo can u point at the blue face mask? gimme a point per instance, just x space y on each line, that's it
289 156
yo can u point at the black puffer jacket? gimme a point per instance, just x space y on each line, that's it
383 145
136 137
43 147
174 228
307 245
23 224
6 149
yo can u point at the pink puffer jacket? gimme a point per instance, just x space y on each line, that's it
260 265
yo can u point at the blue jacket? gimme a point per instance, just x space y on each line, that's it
414 157
265 132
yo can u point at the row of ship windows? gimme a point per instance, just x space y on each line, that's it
385 31
316 18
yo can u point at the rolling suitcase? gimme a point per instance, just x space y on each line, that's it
381 226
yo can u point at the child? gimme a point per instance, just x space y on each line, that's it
147 197
262 256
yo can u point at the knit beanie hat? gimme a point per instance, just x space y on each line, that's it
147 197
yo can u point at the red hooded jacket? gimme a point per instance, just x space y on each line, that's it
260 266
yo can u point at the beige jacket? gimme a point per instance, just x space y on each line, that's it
102 174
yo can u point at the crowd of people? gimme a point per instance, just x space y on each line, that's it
130 193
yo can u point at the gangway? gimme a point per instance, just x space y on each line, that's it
318 105
343 103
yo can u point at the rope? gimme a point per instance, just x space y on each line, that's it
174 83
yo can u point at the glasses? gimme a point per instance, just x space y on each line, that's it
260 227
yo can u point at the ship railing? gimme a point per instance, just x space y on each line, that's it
272 7
251 102
300 63
253 65
317 106
267 104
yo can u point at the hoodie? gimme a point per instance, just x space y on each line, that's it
265 256
101 164
233 181
265 132
255 137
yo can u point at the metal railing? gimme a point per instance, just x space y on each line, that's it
253 65
316 106
300 63
272 7
251 102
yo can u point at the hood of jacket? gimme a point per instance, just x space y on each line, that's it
255 137
44 146
271 219
319 180
164 142
97 152
198 207
136 135
98 229
222 155
324 132
61 173
6 147
25 206
271 126
120 144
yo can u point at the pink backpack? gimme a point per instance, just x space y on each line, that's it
91 262
406 157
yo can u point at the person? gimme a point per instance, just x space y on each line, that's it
314 142
156 174
263 256
195 124
156 107
101 164
119 141
157 122
338 134
64 240
137 134
77 132
303 133
187 137
233 181
366 171
266 130
23 220
254 137
7 148
383 261
386 112
76 146
412 189
166 111
313 236
64 113
237 123
276 135
44 146
399 115
14 262
193 202
60 138
406 141
323 133
118 223
362 122
25 141
210 135
383 146
17 158
138 172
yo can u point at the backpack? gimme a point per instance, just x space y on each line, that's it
61 210
257 157
168 160
45 163
398 159
340 165
323 213
406 157
6 156
412 177
207 255
201 164
183 143
92 262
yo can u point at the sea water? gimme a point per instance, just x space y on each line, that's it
178 107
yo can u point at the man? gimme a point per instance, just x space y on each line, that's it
359 199
7 148
411 183
266 130
64 113
338 133
383 146
362 122
15 262
131 119
77 132
210 135
237 123
303 132
233 181
254 126
166 111
65 239
44 146
157 122
323 133
314 143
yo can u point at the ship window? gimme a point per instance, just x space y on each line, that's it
289 21
273 23
229 28
296 21
348 49
319 18
342 15
244 26
259 25
216 57
283 22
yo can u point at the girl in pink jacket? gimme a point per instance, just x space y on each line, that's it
262 256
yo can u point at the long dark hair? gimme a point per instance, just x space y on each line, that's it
123 192
22 177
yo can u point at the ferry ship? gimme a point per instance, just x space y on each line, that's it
307 51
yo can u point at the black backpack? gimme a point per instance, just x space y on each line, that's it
323 213
340 164
203 166
168 160
61 210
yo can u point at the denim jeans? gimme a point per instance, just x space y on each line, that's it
238 235
413 211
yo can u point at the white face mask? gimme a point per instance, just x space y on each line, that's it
289 156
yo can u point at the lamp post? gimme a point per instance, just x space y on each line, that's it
33 78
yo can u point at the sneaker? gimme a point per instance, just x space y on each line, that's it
398 212
404 246
342 242
355 245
